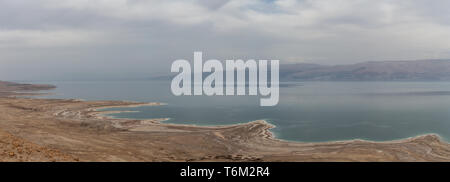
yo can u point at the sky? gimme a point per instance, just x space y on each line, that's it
80 39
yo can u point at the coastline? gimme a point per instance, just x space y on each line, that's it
105 114
76 128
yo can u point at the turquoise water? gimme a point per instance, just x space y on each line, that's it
307 111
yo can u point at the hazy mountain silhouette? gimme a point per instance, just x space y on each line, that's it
421 70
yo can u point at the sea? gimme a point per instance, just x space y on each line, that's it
306 112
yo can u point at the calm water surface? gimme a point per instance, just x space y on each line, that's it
307 111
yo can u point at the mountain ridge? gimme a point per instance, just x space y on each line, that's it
419 70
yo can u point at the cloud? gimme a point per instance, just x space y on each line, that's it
39 38
152 33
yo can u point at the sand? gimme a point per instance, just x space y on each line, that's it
75 130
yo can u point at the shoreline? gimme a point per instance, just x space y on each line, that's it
106 114
269 134
77 129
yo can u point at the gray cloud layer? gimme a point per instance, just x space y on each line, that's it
68 38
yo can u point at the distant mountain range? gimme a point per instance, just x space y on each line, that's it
414 70
421 70
7 87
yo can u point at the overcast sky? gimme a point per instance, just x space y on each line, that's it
58 39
